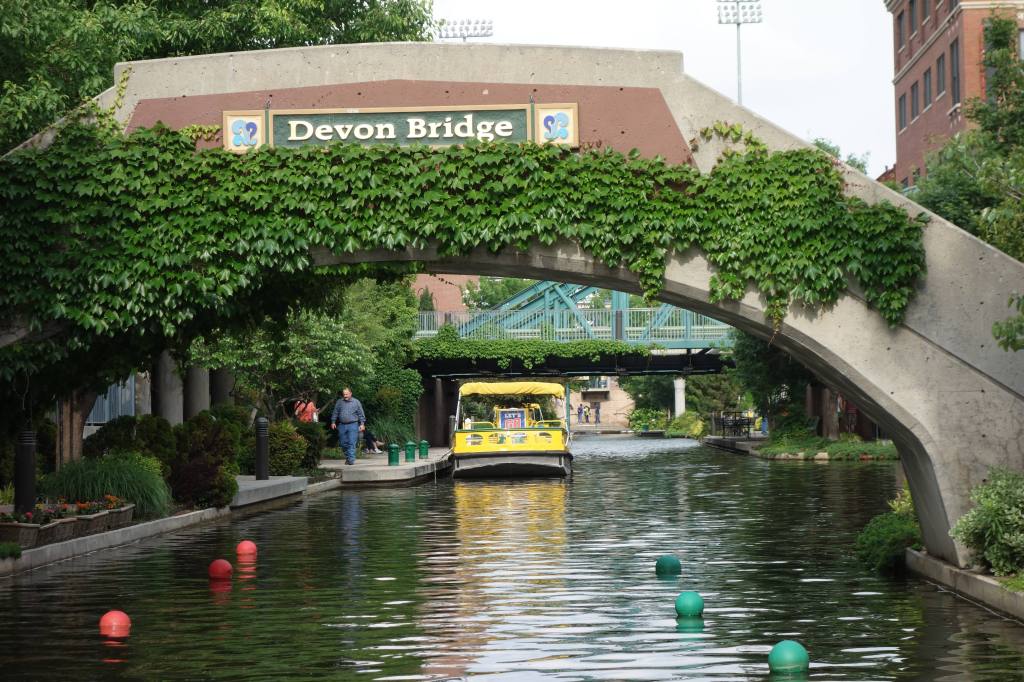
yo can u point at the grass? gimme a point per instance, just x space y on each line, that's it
1015 583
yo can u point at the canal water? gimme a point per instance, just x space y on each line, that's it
522 580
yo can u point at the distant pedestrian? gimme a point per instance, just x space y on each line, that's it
370 442
586 414
348 417
597 413
579 413
305 411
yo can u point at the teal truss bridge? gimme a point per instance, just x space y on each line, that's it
551 311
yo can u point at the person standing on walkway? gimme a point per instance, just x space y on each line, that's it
348 417
586 413
305 410
597 413
579 413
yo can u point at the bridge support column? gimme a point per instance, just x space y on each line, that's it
197 391
222 382
679 384
168 398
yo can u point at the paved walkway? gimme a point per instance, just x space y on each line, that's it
374 469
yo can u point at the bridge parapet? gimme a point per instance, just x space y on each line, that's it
665 326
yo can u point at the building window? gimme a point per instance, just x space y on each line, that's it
915 101
952 5
901 39
954 71
927 82
913 17
940 75
905 182
1020 45
925 11
903 112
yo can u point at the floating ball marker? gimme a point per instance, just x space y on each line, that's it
115 624
246 548
788 657
220 570
668 564
689 605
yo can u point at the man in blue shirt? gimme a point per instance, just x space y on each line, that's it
348 417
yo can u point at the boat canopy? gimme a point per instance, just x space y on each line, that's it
513 388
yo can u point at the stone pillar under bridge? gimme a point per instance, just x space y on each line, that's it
197 391
437 404
168 393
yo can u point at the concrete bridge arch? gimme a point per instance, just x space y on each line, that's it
952 399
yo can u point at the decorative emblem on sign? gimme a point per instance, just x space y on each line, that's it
244 133
556 127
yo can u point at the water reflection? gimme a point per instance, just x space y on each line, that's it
520 581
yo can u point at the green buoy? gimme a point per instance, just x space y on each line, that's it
689 605
668 564
788 657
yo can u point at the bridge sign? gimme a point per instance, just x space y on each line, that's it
436 126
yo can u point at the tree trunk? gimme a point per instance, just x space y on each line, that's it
72 411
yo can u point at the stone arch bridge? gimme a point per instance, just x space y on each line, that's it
952 400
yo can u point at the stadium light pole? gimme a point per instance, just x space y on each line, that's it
739 12
465 28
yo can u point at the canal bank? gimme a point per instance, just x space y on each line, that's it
519 580
252 495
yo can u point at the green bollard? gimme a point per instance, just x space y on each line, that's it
410 451
393 455
424 449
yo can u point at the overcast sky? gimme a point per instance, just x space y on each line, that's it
818 68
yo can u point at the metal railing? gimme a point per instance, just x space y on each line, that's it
664 326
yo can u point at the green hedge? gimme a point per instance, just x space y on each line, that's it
994 528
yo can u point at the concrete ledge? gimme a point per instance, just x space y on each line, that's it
322 486
251 491
48 554
983 589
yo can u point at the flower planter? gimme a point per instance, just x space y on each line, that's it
93 523
119 518
58 531
25 534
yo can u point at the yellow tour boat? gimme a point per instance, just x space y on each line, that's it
518 441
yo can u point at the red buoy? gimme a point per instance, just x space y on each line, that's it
220 570
245 548
115 624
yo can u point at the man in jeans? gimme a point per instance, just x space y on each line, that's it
348 414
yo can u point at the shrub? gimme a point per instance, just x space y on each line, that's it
994 529
10 550
128 475
689 424
645 419
287 449
7 494
391 429
116 434
316 438
236 414
203 471
148 434
882 544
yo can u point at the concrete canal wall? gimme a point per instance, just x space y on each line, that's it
252 495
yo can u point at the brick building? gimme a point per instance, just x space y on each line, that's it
938 47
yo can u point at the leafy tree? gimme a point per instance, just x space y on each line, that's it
977 179
773 378
832 149
312 354
425 303
492 291
650 392
57 53
707 393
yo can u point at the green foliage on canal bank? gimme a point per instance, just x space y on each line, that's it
882 545
807 446
994 528
133 243
447 345
128 475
